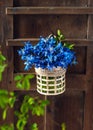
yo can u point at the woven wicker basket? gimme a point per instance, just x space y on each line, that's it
50 82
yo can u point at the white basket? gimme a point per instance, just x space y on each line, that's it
50 82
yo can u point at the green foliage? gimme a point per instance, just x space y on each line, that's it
34 126
7 99
63 126
35 105
70 46
60 38
7 127
2 65
23 81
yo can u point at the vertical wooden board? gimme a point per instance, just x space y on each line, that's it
90 3
8 33
50 3
32 118
8 3
90 27
88 109
8 21
67 108
43 25
1 29
1 21
89 66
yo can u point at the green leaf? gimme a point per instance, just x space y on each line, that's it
3 98
19 85
34 126
7 127
3 58
18 77
26 84
2 67
37 110
63 126
21 124
44 103
0 76
58 32
4 113
29 76
12 101
3 92
70 46
11 93
24 108
31 101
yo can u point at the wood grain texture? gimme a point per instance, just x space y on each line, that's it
50 3
66 108
29 26
90 27
35 18
49 10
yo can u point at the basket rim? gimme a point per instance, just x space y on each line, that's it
56 71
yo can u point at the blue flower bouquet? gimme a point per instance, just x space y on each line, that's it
51 58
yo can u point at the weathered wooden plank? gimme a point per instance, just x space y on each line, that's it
90 27
90 3
1 29
67 108
49 10
44 3
89 64
88 107
29 26
8 3
8 33
78 42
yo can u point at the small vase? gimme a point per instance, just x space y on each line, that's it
50 82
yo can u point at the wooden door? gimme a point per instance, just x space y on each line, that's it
24 20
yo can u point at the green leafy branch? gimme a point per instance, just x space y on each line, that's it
2 64
7 127
60 38
35 105
7 100
23 81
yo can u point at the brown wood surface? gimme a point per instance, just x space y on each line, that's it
49 10
37 17
51 3
34 26
66 106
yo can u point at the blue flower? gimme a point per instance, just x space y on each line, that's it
47 54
